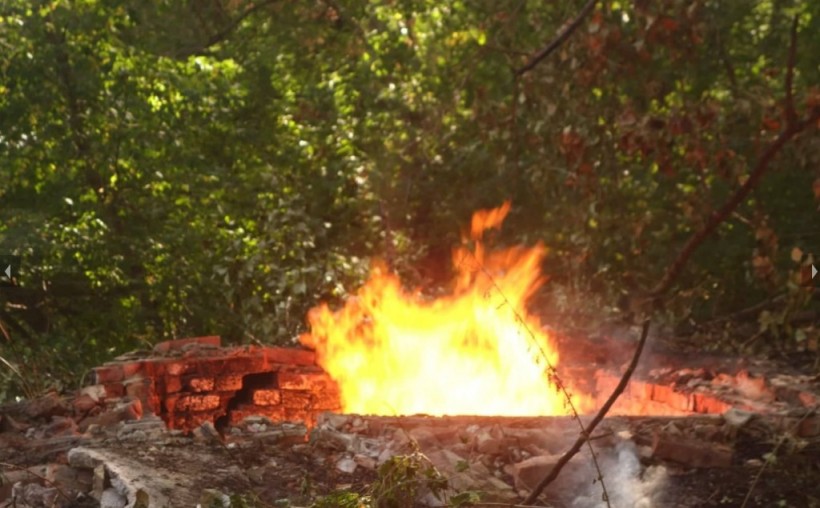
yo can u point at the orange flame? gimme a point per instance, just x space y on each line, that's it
470 353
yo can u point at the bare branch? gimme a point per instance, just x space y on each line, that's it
563 36
584 437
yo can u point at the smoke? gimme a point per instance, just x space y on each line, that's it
626 482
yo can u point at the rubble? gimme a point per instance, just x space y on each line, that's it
222 427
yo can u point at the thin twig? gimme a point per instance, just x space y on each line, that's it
563 36
584 437
774 452
43 478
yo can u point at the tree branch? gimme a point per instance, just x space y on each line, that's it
584 437
225 32
793 128
563 36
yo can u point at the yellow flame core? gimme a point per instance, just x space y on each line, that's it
393 352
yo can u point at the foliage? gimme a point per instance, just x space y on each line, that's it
186 168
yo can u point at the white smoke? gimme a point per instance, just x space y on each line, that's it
626 482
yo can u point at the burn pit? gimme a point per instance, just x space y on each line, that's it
191 381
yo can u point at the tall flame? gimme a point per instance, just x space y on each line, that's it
475 352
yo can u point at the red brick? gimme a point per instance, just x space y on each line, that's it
173 345
295 380
114 390
139 387
175 368
301 415
109 374
662 393
173 384
200 384
130 369
290 356
197 402
326 400
230 382
641 390
296 399
698 454
245 364
707 404
267 397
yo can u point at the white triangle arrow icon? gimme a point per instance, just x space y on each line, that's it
8 271
813 271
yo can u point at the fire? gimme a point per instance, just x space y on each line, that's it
475 352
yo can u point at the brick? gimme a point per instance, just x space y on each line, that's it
290 356
130 369
198 402
312 381
200 384
139 387
267 397
175 368
707 404
245 364
697 454
326 400
109 374
229 382
114 390
662 393
641 390
300 415
296 399
173 384
175 345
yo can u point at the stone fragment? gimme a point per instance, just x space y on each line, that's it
366 462
346 465
529 472
111 498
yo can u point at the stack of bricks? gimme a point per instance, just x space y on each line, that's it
191 381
